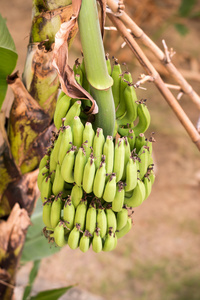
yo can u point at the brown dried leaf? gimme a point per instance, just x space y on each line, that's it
60 61
103 15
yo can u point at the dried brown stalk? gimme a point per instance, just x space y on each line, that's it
139 34
150 70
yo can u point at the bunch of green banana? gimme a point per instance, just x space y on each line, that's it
89 182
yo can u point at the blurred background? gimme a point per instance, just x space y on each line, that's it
159 258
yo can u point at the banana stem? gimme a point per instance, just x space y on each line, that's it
95 65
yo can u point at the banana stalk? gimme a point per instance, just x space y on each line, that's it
95 65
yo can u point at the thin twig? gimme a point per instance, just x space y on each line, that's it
140 35
194 135
173 87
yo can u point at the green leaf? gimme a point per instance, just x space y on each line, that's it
8 57
32 276
51 294
36 245
186 7
182 29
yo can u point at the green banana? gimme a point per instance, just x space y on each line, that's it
78 71
116 72
125 229
88 137
66 143
44 161
58 184
89 175
46 188
46 213
76 195
69 214
97 242
127 155
119 158
91 218
108 64
122 108
74 237
130 99
111 220
131 139
140 141
100 179
84 244
43 173
56 211
74 110
80 214
77 131
98 143
110 188
110 242
131 174
67 166
79 166
118 200
59 234
144 118
122 218
101 222
108 151
61 110
137 197
143 155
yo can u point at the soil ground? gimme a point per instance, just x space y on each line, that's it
159 258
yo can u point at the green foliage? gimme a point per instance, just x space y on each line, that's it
51 294
32 276
186 7
8 57
181 28
36 246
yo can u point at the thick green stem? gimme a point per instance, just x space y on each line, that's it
95 65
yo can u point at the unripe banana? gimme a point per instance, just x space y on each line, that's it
129 100
68 165
79 166
110 188
97 242
57 144
138 195
122 218
85 241
74 237
43 173
111 220
74 110
118 200
78 71
140 141
100 179
76 195
125 229
85 83
108 151
144 118
126 156
88 175
116 72
60 95
56 211
91 218
131 174
52 167
69 214
46 189
61 110
46 213
59 234
143 161
80 214
131 139
110 242
88 137
44 161
66 143
148 186
119 157
101 222
59 183
98 143
77 130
